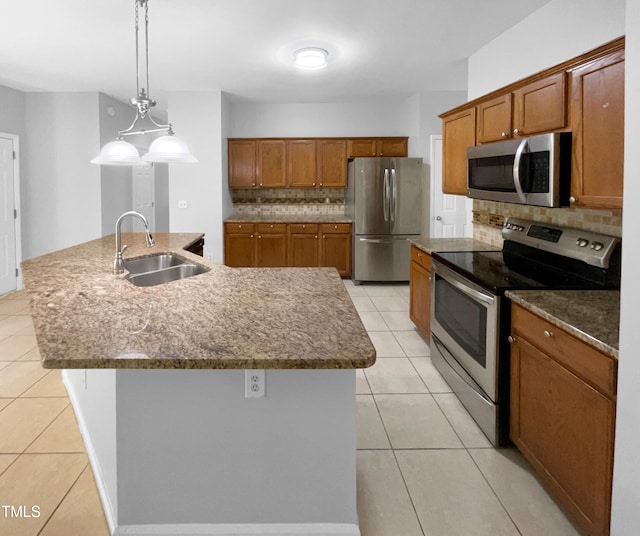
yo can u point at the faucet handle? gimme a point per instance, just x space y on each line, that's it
123 249
150 241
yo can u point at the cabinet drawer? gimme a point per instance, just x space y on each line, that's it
329 228
585 361
302 228
242 227
272 227
422 258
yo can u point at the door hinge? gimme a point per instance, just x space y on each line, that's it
15 214
14 155
17 272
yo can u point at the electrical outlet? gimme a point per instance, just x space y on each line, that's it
254 383
182 203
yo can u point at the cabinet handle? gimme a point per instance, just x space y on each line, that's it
314 184
251 236
304 226
517 131
259 236
335 226
315 236
239 226
503 134
419 254
573 199
511 339
548 333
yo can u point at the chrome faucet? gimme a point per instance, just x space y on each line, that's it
118 263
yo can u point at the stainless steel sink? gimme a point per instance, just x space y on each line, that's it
152 263
158 269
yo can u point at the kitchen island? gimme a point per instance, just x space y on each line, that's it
156 376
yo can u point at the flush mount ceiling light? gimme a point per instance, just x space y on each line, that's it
166 148
311 58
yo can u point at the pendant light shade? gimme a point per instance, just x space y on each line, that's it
118 153
166 148
169 149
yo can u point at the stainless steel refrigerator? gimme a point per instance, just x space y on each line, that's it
384 200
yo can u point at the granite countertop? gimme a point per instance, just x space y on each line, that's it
242 318
593 316
430 245
288 218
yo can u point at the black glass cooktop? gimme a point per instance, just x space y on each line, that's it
498 271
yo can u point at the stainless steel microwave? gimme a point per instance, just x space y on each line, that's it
527 171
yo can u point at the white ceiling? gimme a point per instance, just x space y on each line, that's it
244 47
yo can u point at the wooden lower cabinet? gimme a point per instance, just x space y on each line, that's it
335 247
271 245
563 416
420 290
239 244
304 245
288 245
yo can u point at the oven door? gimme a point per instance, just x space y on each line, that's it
465 319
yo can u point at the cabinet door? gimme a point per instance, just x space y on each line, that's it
335 247
242 163
565 429
332 163
597 122
271 245
540 106
302 164
362 147
392 147
239 245
304 245
272 163
420 297
494 119
458 133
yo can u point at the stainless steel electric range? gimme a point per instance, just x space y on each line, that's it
471 317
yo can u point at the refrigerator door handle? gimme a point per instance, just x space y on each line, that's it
394 195
385 196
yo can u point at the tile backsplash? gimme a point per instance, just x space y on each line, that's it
489 216
267 201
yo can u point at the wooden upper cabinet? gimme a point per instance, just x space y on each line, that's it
494 119
302 163
368 147
272 163
392 147
597 123
242 163
332 163
458 133
361 147
540 106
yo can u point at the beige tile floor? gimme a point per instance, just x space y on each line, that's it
423 466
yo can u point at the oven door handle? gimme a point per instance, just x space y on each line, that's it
459 370
516 170
454 280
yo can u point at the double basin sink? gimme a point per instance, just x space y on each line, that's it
161 268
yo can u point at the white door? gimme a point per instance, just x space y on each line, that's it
144 196
8 276
451 215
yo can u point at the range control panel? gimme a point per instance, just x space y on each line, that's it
592 248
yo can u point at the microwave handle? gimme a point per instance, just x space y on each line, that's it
516 169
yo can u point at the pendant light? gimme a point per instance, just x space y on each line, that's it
167 148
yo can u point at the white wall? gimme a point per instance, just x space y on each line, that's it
197 117
60 187
93 396
626 475
558 31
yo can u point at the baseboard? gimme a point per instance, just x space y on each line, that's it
91 454
241 529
